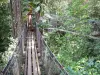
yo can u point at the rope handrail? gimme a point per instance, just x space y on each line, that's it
48 53
55 59
15 52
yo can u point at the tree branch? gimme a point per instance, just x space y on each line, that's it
75 33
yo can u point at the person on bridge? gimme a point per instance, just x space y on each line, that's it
30 26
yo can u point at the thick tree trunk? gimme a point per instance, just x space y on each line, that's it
16 17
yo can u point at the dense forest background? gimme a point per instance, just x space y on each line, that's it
5 30
72 43
73 32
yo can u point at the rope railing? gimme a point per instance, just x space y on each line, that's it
50 65
61 71
49 58
14 65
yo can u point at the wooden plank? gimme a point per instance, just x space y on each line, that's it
25 49
36 57
29 57
31 63
26 61
37 61
33 57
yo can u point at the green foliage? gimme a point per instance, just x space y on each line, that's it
85 67
30 5
4 29
94 6
3 1
79 54
77 8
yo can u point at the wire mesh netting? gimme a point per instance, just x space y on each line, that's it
51 64
15 64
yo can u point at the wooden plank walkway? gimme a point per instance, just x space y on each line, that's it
31 63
